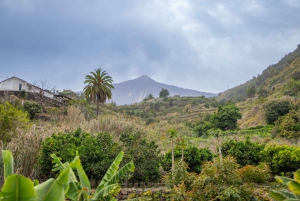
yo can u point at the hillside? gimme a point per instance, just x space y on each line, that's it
133 91
273 80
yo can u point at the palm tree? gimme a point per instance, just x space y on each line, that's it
99 87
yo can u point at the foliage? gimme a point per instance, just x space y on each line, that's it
245 152
226 117
32 108
193 158
292 88
97 151
293 188
219 180
149 97
276 109
144 154
18 187
98 88
11 119
262 93
288 126
164 93
251 91
282 159
202 128
258 174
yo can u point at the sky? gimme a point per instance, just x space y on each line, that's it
205 45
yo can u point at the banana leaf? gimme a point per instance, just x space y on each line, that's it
111 171
18 188
8 161
54 189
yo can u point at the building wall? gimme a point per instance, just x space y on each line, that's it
13 85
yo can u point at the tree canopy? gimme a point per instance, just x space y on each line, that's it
164 93
98 88
226 117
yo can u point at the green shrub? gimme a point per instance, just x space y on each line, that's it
32 108
11 119
276 109
202 128
226 117
245 152
282 159
257 174
288 126
96 152
144 154
193 156
292 88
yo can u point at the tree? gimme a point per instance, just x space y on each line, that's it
276 109
226 117
32 108
251 91
149 97
288 126
164 93
172 135
99 86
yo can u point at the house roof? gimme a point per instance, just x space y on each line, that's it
14 77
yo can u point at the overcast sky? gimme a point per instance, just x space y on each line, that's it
206 45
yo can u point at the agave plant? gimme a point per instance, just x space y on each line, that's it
293 186
19 188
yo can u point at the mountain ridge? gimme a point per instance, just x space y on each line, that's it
135 90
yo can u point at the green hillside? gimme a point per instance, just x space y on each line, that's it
277 80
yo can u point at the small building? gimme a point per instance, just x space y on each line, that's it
17 84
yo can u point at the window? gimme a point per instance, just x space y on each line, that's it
20 87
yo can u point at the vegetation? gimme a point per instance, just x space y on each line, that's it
32 108
98 88
293 186
11 119
276 109
245 152
193 158
164 93
226 117
66 185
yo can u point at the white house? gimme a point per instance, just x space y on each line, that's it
17 84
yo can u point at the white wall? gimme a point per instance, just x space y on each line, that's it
13 85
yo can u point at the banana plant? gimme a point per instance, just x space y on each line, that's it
19 188
107 189
293 186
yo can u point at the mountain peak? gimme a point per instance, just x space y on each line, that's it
144 78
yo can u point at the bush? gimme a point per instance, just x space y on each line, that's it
11 119
257 174
288 126
245 152
96 152
32 108
276 109
226 117
193 156
282 159
145 156
201 129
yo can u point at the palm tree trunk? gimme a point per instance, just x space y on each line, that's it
173 160
97 108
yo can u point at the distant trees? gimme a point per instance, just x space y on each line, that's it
98 88
251 91
149 97
226 117
276 109
288 126
164 93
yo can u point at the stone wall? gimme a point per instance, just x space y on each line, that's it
36 97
